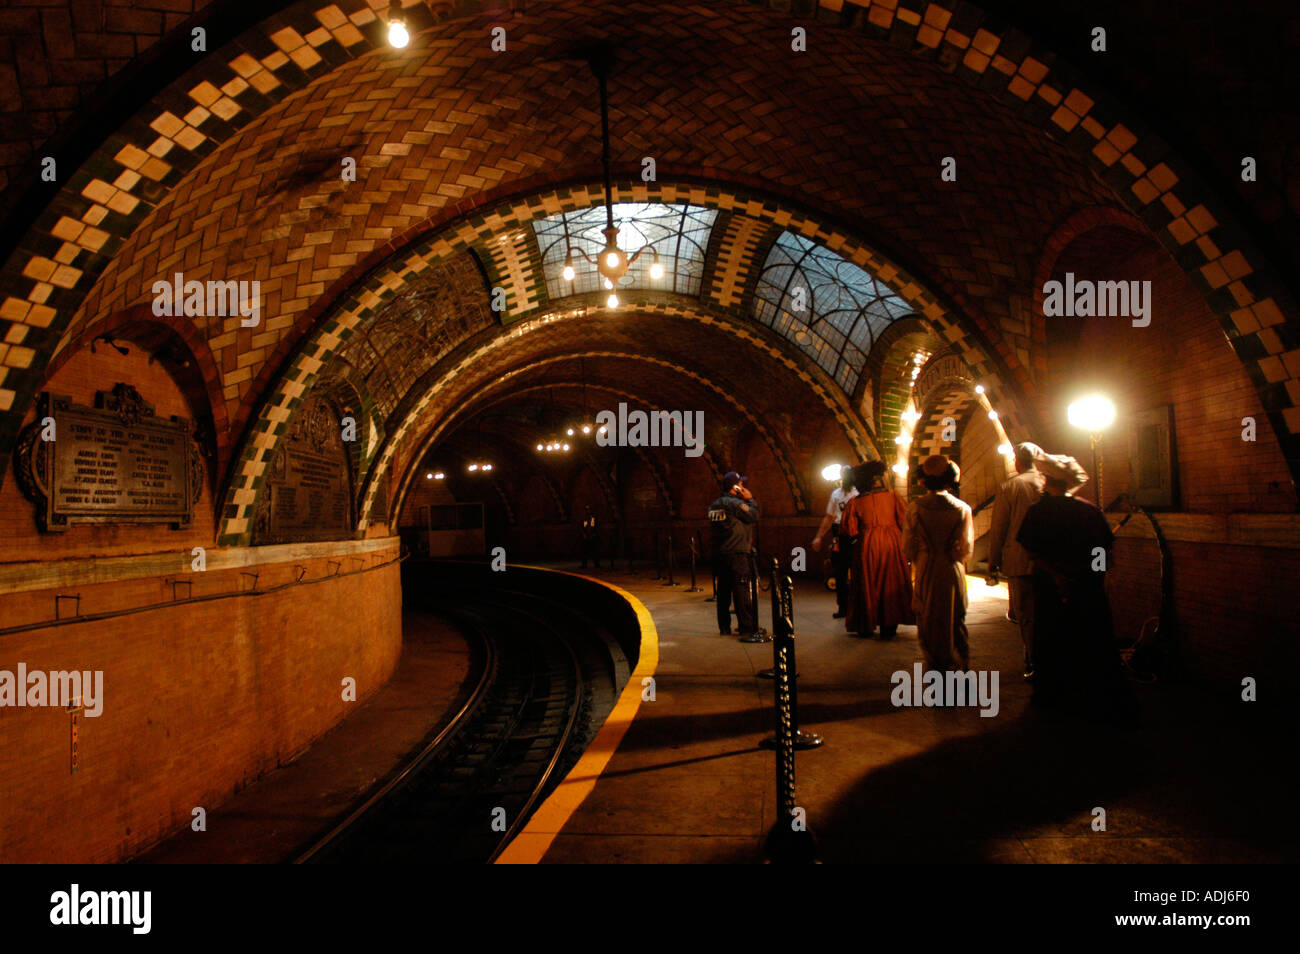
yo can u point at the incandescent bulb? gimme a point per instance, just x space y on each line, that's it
612 301
397 35
568 273
656 271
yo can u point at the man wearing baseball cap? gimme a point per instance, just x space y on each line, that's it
732 518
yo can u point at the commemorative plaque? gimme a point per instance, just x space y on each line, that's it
307 493
115 462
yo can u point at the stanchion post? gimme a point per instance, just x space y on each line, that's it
671 581
790 840
694 554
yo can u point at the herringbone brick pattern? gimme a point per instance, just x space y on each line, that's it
235 177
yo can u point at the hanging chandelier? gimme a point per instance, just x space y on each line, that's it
612 262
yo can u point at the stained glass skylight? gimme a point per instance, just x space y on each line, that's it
832 309
679 233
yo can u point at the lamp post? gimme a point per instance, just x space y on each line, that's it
1094 414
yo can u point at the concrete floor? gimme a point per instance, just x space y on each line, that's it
1194 783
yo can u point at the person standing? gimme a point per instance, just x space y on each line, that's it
732 518
1014 497
840 547
1069 541
881 593
938 537
590 539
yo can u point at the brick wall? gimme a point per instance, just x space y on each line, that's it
201 697
1229 598
53 56
199 700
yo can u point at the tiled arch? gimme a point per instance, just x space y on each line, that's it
428 438
526 303
109 195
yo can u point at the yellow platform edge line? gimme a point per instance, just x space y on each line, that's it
528 847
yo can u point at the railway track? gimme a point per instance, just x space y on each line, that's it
548 675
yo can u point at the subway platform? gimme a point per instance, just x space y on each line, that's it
689 782
679 776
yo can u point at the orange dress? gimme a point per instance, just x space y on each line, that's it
881 591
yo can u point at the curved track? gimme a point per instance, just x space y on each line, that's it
545 682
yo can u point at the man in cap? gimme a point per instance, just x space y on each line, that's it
732 518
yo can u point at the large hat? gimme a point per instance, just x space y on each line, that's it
1058 467
937 465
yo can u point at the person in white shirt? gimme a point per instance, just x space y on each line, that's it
840 548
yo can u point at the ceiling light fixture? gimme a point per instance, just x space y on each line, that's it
398 36
612 263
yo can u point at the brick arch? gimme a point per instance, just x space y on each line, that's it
998 60
888 363
775 445
202 388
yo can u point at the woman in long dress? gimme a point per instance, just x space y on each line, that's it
881 591
938 537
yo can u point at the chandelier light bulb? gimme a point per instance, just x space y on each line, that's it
899 469
612 259
428 476
566 446
569 432
979 389
397 35
609 286
487 466
831 472
612 301
993 415
568 272
1004 450
586 428
539 446
903 439
656 271
473 466
439 476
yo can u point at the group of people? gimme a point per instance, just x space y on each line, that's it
898 564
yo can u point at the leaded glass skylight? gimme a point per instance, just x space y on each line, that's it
679 233
832 309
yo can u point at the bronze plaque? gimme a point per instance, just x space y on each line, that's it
307 493
113 463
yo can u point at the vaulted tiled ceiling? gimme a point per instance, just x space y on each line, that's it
235 173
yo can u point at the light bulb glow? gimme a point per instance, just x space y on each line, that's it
831 472
439 475
569 432
656 271
566 446
612 259
586 428
979 389
539 446
568 273
612 301
899 469
398 37
993 415
473 466
1093 413
487 466
903 439
1004 450
428 476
